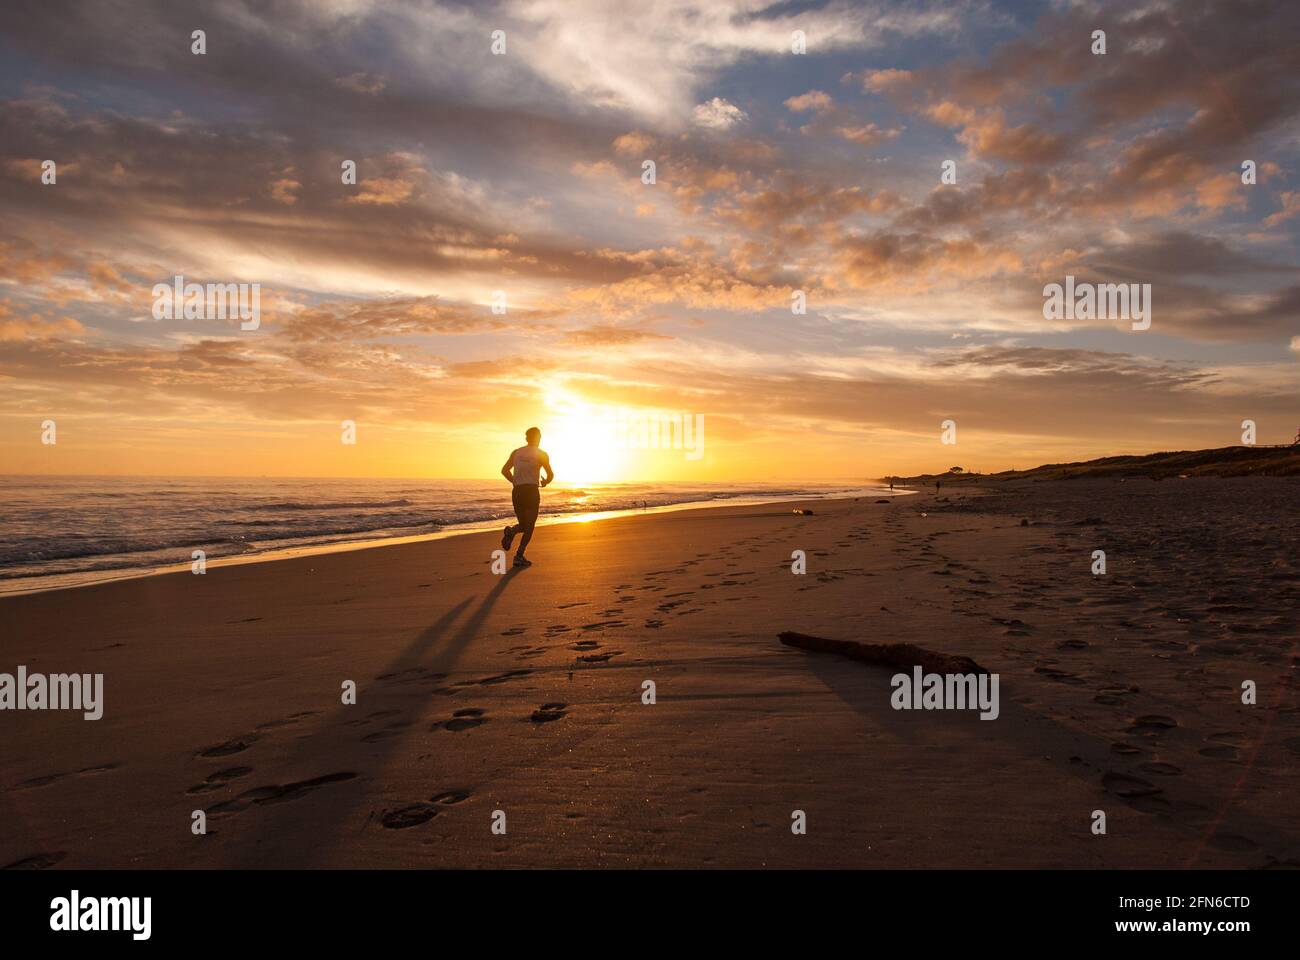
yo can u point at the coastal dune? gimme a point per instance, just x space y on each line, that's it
520 699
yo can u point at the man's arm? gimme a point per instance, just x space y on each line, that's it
546 465
508 470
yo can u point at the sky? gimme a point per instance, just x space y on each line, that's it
501 261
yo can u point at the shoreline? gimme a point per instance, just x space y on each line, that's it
47 583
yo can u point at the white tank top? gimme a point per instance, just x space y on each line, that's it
528 465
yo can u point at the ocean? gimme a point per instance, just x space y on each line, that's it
70 530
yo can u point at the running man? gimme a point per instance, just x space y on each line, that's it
523 469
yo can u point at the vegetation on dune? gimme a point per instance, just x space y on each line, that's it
1239 461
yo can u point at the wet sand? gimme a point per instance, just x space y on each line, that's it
523 693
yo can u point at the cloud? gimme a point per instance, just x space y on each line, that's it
648 59
362 83
611 336
917 261
14 326
988 134
285 190
1178 253
814 100
866 135
717 114
885 81
347 321
1290 208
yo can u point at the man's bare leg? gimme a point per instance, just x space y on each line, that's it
526 512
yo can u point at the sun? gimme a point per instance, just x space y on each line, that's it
581 441
582 450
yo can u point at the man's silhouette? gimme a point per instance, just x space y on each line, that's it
523 470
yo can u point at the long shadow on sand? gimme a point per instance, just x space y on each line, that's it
953 738
280 838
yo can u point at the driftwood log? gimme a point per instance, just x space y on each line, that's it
904 655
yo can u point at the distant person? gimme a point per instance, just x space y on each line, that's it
891 484
523 470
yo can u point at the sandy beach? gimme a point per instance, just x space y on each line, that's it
523 693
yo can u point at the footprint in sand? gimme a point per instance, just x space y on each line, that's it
1161 769
1128 787
219 779
235 745
55 777
585 645
37 861
411 816
600 657
277 793
1063 676
287 721
1219 752
465 719
1152 724
102 768
1231 737
389 731
1223 745
377 715
418 813
505 677
449 797
548 712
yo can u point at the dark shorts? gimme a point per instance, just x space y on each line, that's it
527 498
